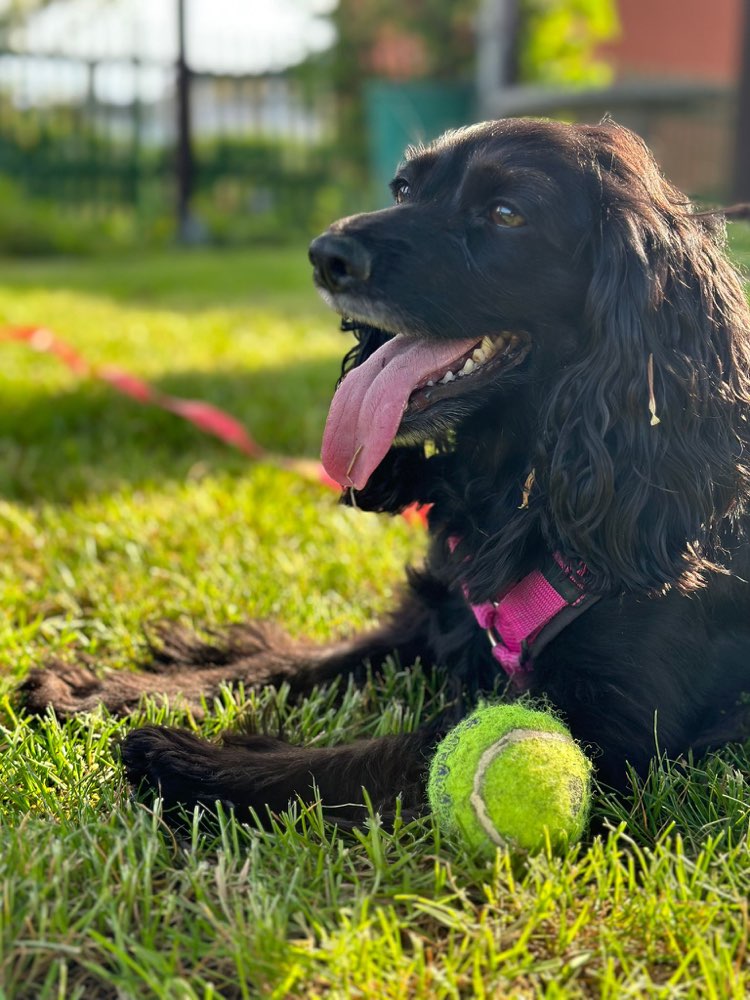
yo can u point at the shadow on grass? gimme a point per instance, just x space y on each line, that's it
66 446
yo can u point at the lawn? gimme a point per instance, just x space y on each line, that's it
113 515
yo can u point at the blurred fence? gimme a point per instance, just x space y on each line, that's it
99 135
98 138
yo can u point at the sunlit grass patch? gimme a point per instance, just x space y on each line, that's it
113 516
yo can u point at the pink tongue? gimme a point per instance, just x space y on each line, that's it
367 408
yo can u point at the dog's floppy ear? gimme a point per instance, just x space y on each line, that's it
645 444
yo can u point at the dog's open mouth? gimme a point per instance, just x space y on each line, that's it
405 376
494 352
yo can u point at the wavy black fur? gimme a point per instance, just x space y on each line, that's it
612 274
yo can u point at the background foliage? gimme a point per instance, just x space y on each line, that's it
70 183
558 42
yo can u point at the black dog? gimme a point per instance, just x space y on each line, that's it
564 328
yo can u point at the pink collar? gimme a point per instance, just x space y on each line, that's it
528 615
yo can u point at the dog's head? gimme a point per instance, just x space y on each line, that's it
476 266
551 268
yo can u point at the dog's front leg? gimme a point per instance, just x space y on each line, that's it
261 773
185 669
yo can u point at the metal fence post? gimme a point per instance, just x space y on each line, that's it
184 165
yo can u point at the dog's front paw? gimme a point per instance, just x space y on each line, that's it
67 688
177 765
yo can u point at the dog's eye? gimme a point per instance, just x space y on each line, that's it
401 191
503 215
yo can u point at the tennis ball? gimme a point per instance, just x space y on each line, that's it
506 774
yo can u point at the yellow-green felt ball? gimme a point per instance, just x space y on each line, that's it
510 776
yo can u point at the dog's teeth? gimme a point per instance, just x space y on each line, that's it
490 345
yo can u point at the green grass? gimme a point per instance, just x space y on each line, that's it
112 515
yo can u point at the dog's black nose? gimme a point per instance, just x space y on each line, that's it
339 262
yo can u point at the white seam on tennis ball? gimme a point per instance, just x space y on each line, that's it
493 751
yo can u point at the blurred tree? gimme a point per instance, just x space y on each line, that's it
435 38
558 41
15 10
